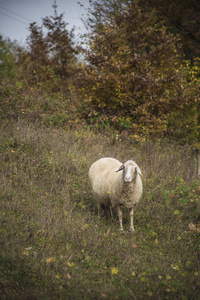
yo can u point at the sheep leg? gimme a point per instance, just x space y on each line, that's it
111 211
98 206
131 219
120 217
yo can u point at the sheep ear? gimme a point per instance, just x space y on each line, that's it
138 170
120 168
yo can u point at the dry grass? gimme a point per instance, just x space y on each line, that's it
54 245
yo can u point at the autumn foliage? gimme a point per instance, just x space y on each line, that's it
136 77
136 74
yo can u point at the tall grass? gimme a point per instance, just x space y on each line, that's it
54 245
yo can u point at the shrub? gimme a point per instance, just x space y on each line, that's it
135 75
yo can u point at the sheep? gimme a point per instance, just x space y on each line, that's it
116 188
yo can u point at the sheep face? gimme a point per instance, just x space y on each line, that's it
130 171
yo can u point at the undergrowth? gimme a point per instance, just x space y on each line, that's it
54 244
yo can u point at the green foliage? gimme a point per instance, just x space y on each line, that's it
7 60
135 74
30 104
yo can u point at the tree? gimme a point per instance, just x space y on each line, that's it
180 17
60 44
134 77
37 60
50 58
7 59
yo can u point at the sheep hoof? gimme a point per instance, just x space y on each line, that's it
132 230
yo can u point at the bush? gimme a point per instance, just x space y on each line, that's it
136 76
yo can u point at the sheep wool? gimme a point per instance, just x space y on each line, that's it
116 184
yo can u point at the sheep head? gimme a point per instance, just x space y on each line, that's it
130 170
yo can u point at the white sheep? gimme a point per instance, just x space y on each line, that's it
118 189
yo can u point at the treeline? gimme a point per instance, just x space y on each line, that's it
49 59
141 69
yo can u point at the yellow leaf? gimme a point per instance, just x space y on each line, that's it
70 264
174 267
114 271
156 241
49 260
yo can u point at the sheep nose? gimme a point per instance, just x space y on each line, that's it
128 179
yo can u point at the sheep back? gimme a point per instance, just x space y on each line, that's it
102 174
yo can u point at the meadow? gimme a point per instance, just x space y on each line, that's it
54 245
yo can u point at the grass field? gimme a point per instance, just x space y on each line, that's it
55 246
